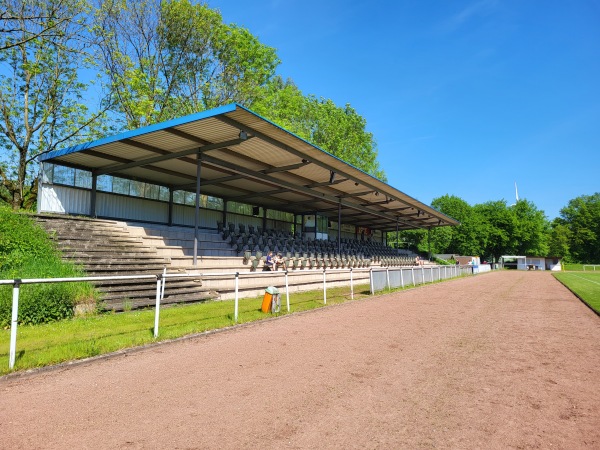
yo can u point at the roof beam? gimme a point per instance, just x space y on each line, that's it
291 187
165 156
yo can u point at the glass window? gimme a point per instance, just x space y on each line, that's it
64 175
83 178
120 186
104 183
179 197
163 193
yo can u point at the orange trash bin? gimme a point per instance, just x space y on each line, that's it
267 304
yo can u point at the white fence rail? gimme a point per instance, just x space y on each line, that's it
380 279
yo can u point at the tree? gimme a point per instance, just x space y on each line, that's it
498 228
558 241
41 97
166 59
466 238
581 217
340 131
530 235
44 24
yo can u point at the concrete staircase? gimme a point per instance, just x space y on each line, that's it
108 248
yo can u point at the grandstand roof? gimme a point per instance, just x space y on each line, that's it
248 159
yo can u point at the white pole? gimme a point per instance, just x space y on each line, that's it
423 273
324 287
412 273
351 286
287 290
235 308
387 279
371 281
401 278
157 309
164 281
13 325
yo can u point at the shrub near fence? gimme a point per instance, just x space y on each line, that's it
27 252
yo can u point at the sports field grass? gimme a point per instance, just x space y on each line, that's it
578 266
586 285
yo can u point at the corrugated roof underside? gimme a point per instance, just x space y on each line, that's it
280 171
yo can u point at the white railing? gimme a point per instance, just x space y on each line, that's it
593 267
418 275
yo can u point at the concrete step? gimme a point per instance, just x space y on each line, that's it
124 261
93 247
74 220
151 293
184 241
129 285
103 238
122 304
104 253
126 271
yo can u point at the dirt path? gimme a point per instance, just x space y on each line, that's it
504 360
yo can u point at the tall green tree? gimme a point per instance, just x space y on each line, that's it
340 131
558 241
466 238
42 102
499 226
530 234
581 217
174 57
42 26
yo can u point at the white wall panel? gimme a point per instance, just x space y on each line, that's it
64 199
121 207
184 215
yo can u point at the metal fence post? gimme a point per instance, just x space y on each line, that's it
412 273
157 308
387 278
324 287
351 286
13 324
287 290
164 281
401 278
235 308
371 281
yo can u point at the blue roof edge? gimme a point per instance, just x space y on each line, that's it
141 131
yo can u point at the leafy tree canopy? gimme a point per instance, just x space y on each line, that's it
166 59
42 102
340 131
578 227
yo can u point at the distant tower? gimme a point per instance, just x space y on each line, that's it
516 195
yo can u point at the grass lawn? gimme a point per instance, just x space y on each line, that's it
43 345
585 284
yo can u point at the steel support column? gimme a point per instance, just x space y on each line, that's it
197 211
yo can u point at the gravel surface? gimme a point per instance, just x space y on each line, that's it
501 360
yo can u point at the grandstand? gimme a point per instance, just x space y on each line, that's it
219 190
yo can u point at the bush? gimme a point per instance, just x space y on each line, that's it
27 252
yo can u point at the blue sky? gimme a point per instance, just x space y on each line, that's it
463 97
